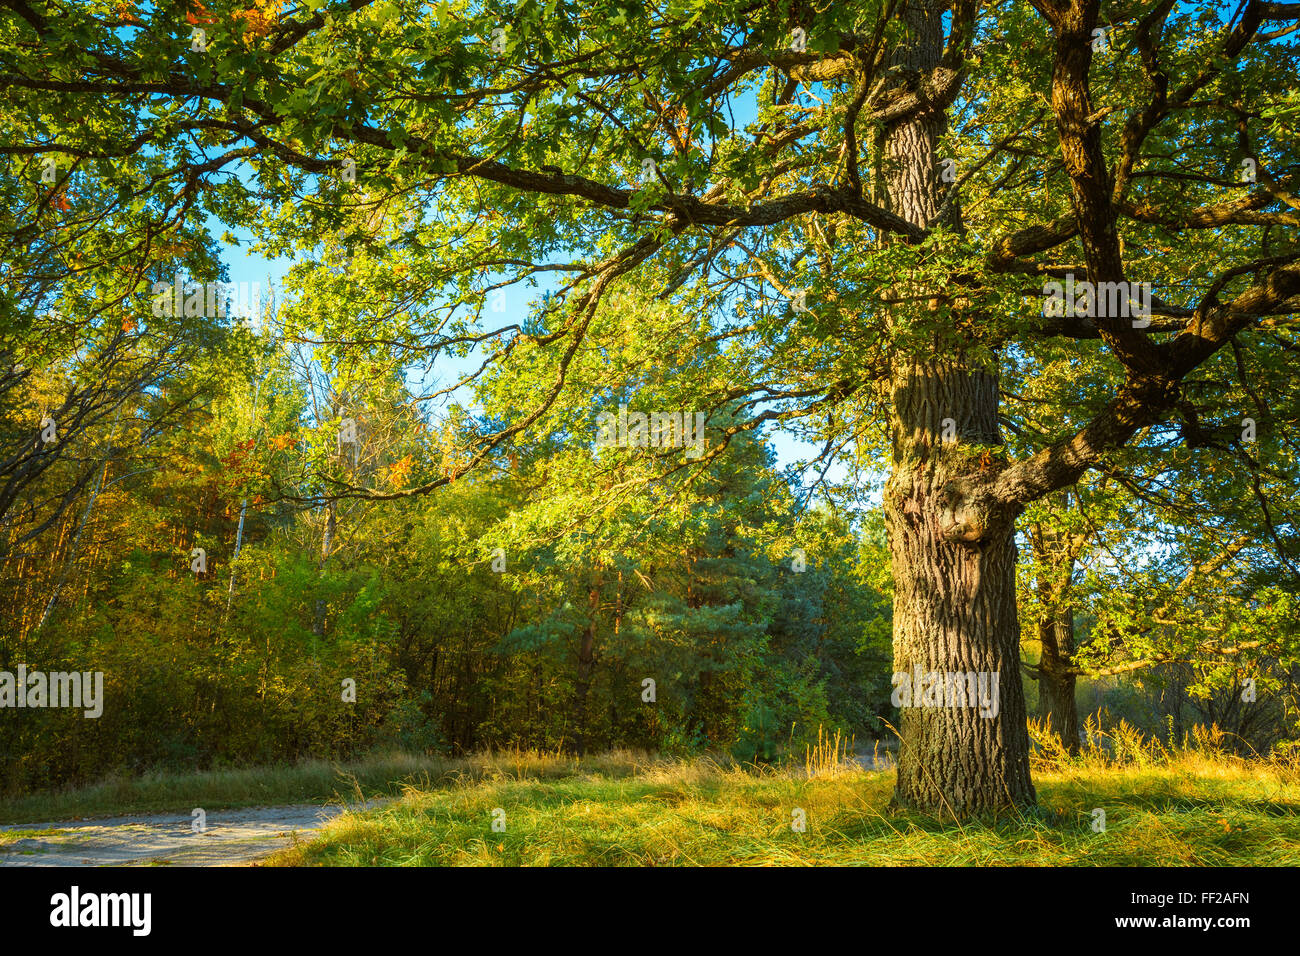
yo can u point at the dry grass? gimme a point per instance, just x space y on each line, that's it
312 781
1191 805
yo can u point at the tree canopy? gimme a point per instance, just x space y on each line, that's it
995 250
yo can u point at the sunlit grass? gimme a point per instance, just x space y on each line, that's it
1191 806
315 781
1193 803
13 836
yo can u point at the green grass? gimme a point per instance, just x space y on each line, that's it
314 781
1192 804
13 836
1192 809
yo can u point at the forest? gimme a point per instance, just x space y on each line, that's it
701 381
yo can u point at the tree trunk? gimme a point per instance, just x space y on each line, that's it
326 549
1054 557
586 667
72 549
1056 680
953 554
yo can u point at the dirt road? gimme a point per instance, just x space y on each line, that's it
231 838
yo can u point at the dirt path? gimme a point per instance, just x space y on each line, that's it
232 838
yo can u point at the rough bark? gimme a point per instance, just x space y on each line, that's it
1056 680
952 544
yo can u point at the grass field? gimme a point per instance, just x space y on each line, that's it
1193 806
313 781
